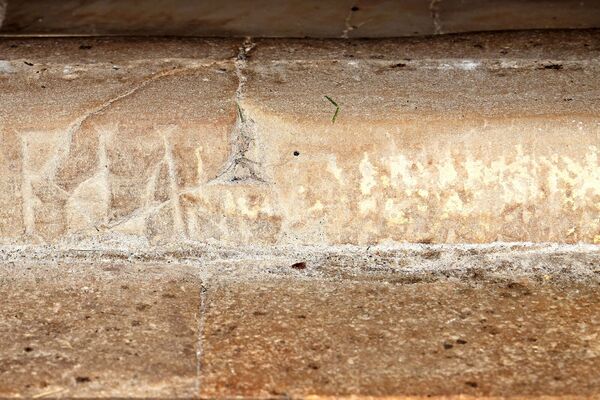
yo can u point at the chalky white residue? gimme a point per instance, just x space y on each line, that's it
5 67
465 65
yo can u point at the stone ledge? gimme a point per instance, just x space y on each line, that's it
462 139
353 326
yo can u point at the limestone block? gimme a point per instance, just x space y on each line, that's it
473 138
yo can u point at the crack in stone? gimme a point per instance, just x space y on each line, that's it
349 26
434 9
240 168
200 344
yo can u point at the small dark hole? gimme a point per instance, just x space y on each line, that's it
448 346
296 153
461 341
355 8
28 349
553 66
82 379
28 63
85 47
299 265
471 384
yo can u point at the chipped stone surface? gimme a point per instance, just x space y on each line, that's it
473 138
108 331
294 18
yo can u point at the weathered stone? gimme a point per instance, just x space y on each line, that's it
501 339
485 15
432 321
474 138
294 18
107 331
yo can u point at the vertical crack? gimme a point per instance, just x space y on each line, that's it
200 344
434 9
240 167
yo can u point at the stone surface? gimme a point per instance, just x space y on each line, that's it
459 139
296 338
294 18
108 331
418 321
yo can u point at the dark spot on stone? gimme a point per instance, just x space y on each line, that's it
43 87
431 255
142 307
28 349
519 288
491 330
259 313
82 379
471 384
299 265
301 316
448 346
14 46
355 8
552 66
168 295
461 341
85 47
478 45
115 68
398 65
313 366
28 63
124 287
296 153
135 323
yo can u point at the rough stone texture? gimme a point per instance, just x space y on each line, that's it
108 331
296 338
481 321
294 18
472 138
